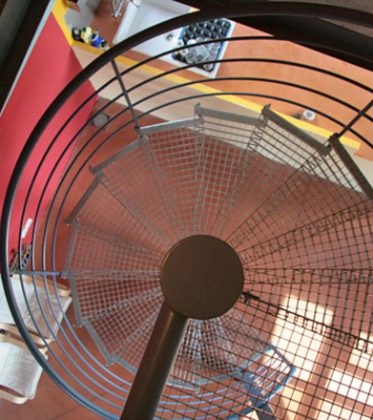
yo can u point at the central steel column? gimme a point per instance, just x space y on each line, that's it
155 366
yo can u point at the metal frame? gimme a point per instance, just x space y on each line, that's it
300 134
279 385
284 10
214 113
347 160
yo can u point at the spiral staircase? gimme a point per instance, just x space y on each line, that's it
246 195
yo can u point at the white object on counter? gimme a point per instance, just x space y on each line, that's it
142 14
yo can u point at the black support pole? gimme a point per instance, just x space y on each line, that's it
155 366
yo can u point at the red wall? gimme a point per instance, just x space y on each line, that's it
51 65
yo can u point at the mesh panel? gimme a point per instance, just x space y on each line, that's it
174 157
115 288
213 349
300 200
131 182
100 209
224 164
